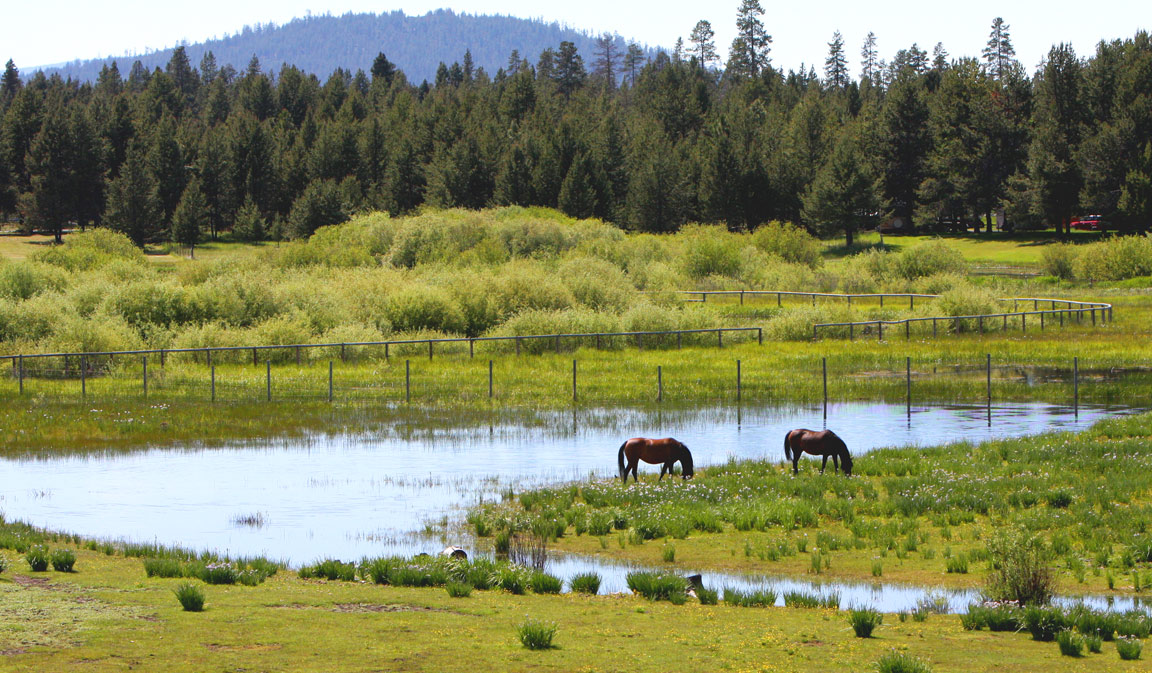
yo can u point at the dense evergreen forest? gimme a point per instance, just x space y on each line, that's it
322 43
647 143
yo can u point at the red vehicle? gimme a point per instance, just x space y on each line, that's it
1090 223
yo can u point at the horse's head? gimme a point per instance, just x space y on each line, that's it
686 461
846 463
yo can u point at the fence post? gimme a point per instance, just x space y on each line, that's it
908 383
879 330
471 348
911 302
760 335
489 379
573 380
83 376
268 379
1041 322
342 355
145 375
209 357
597 341
824 368
814 332
813 299
386 351
679 340
1093 312
907 330
161 357
1023 322
851 331
517 345
988 371
297 356
1076 386
213 369
980 321
1061 314
777 300
407 380
741 297
254 360
659 383
719 339
738 387
849 300
329 380
429 349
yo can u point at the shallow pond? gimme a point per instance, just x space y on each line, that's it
370 494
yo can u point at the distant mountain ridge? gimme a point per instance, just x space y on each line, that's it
320 44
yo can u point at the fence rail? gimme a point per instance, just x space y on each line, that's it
1071 309
343 346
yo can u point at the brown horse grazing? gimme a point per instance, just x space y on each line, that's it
667 451
824 443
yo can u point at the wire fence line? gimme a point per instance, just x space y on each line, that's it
82 364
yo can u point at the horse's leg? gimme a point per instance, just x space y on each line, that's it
824 464
663 469
836 462
795 463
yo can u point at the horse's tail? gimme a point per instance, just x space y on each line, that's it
787 448
620 458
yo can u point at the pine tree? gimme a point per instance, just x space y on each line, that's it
836 65
1136 194
9 85
319 206
999 53
166 162
869 66
250 225
902 143
87 161
570 74
514 179
1057 126
607 61
186 79
133 203
577 196
842 198
703 44
208 67
404 179
634 60
190 219
939 57
383 69
749 53
49 204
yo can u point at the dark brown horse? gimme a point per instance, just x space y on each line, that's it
666 451
824 443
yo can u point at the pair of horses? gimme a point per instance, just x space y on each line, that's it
667 452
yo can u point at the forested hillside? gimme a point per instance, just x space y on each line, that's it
320 44
186 151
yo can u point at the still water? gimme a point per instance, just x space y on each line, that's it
370 494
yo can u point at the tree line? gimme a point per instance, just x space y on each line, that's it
185 152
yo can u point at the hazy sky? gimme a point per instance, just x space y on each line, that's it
800 30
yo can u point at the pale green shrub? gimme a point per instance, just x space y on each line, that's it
424 308
789 242
929 258
1116 258
21 280
92 249
1060 260
711 251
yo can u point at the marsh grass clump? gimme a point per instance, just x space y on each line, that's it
709 596
163 567
535 634
864 621
668 553
458 589
543 583
1071 643
1020 570
900 662
1094 644
37 558
585 583
191 596
801 599
756 598
1044 623
1128 648
957 564
3 565
63 560
329 569
657 586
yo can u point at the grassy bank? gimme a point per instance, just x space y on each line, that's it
108 616
926 515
